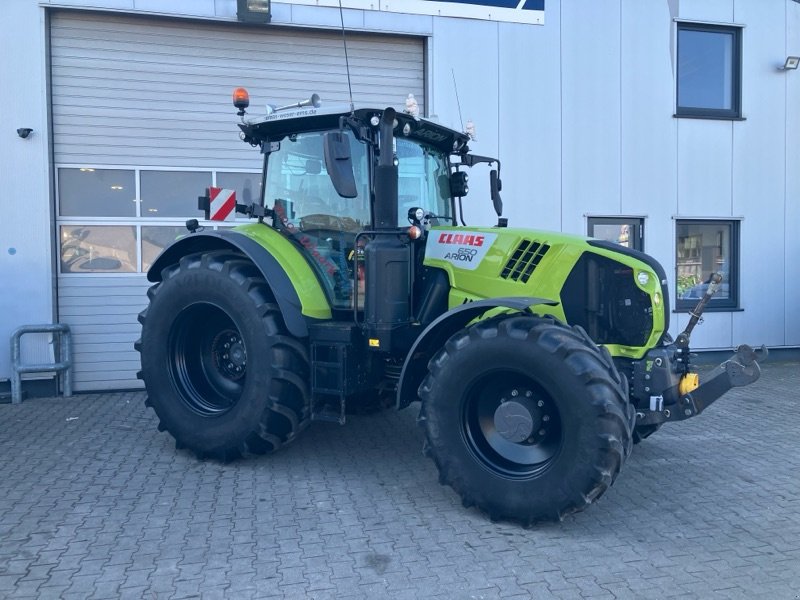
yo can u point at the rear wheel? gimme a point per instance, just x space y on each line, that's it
525 418
221 372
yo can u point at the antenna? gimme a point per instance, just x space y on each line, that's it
346 60
455 87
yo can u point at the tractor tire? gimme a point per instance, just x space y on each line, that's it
221 372
525 418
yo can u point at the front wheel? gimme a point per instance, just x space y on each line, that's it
525 418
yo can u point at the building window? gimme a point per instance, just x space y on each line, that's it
247 187
705 248
119 220
155 239
625 231
709 71
98 249
90 192
172 193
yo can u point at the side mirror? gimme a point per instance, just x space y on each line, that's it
496 185
339 163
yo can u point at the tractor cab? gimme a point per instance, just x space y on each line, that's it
338 179
319 187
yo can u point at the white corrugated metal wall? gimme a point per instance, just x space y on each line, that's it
141 94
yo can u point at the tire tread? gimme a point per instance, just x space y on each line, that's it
590 365
286 410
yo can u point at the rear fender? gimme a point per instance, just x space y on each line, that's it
283 273
437 333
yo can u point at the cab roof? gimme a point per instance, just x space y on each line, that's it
278 125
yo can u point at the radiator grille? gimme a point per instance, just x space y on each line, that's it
524 261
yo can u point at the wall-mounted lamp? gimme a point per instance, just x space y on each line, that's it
24 132
254 11
792 62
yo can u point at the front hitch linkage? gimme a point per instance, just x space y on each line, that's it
739 370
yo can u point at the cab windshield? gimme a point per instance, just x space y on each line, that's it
424 181
299 188
307 207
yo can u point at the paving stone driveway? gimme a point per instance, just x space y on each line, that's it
95 503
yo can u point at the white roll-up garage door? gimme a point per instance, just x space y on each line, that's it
143 122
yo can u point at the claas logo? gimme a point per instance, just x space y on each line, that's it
460 239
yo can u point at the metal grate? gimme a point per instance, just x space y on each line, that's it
522 263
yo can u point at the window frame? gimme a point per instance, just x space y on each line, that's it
735 112
730 304
636 232
137 221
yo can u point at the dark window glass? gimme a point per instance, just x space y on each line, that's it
246 185
155 239
88 192
98 249
705 248
626 232
709 67
172 193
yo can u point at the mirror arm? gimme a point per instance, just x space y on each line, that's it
474 159
361 132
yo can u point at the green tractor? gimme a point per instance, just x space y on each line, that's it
538 358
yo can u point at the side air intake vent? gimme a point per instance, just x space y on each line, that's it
524 260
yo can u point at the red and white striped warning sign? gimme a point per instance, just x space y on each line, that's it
223 201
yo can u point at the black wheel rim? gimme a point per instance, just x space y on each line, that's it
207 359
511 425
